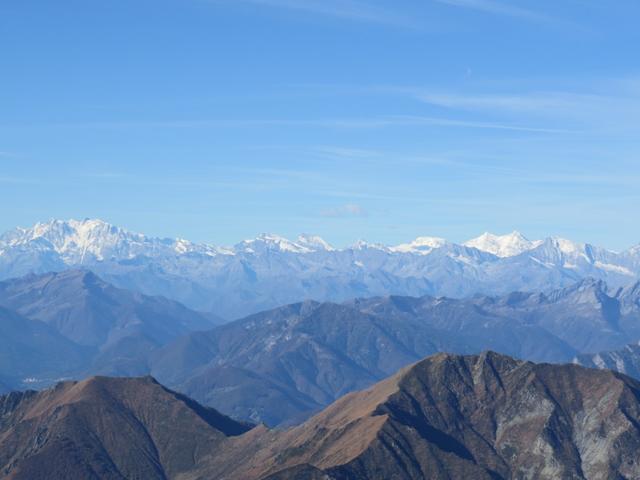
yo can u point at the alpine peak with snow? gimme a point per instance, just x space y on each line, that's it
508 245
271 270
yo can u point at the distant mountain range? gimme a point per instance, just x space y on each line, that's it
270 271
281 365
485 417
70 324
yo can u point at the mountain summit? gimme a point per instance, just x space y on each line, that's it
508 245
484 417
271 270
107 428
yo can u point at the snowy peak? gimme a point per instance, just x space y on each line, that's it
364 245
567 246
270 241
77 241
420 246
314 242
508 245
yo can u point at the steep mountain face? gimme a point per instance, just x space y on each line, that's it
625 360
446 417
296 359
270 270
588 315
107 428
450 417
66 324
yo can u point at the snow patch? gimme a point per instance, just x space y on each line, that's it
614 268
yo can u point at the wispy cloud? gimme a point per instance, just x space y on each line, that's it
435 121
607 112
20 181
505 102
105 175
9 155
345 9
345 152
347 210
497 8
334 123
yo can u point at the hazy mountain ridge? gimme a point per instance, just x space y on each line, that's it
300 357
626 359
33 353
269 270
72 323
486 416
281 365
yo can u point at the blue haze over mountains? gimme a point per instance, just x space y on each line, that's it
270 271
326 325
132 355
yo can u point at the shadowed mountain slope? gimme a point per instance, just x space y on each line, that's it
446 417
120 327
107 428
450 417
627 358
282 365
31 349
298 358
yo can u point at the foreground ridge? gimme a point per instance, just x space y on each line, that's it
484 416
107 428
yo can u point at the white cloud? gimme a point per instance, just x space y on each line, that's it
347 210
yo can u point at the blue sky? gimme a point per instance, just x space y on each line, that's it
216 120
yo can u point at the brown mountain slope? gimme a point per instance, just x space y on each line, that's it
454 417
446 417
106 428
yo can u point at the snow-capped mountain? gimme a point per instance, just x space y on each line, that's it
94 240
508 245
314 242
271 270
421 245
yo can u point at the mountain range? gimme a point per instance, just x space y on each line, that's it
445 417
67 324
270 271
282 365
